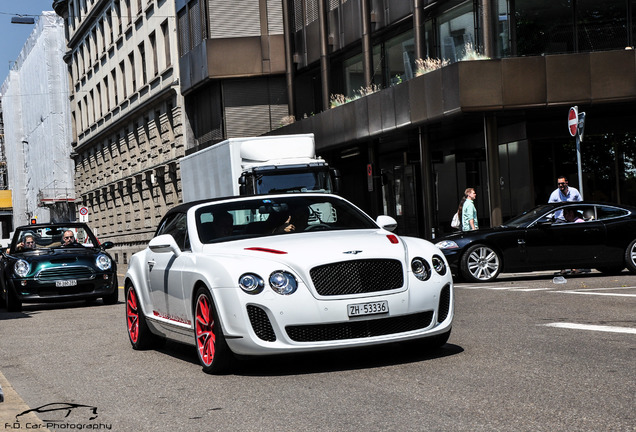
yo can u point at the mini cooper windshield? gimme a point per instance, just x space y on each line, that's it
277 216
39 239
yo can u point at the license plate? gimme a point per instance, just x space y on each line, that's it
371 308
65 283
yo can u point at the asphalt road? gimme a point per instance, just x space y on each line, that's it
525 355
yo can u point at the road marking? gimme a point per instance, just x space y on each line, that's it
611 329
596 293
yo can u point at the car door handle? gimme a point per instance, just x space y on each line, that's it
591 230
151 264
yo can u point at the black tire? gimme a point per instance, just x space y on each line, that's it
113 297
13 304
610 270
630 257
480 263
139 335
214 354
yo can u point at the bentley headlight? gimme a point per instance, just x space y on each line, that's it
439 265
21 268
282 282
103 262
447 244
420 268
251 283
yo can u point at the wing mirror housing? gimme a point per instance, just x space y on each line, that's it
164 244
386 222
108 245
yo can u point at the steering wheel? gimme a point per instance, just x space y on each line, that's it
318 227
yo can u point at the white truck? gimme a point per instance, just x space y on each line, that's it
256 165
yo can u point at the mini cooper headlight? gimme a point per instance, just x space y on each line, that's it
103 262
251 283
21 268
421 269
282 282
439 265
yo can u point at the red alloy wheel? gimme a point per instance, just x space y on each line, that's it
206 339
132 315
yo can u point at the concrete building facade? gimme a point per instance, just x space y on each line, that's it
128 123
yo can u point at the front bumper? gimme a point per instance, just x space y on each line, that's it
29 290
274 324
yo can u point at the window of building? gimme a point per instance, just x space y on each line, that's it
601 25
166 43
133 74
456 30
543 27
107 93
113 76
122 74
142 60
354 74
400 58
153 49
118 14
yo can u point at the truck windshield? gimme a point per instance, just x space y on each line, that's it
293 181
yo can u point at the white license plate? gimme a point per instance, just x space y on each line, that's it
371 308
65 283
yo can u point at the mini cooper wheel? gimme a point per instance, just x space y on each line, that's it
630 257
214 354
139 334
480 263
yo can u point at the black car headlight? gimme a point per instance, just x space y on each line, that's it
21 268
251 283
103 262
421 269
439 265
282 282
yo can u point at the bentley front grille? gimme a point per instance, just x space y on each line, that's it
61 272
360 329
357 277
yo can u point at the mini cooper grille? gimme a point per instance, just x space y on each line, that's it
444 304
260 323
357 277
360 329
59 273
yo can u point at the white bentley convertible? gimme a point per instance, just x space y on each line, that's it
284 273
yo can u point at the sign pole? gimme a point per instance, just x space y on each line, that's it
576 124
578 163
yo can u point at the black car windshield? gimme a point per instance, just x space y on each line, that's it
277 216
526 218
44 237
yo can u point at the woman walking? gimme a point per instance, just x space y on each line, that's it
469 212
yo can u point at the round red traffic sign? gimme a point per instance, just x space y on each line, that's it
83 211
573 120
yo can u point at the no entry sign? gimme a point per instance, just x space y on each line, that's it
573 120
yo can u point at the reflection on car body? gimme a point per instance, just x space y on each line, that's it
605 239
337 280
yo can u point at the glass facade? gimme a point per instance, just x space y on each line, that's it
456 30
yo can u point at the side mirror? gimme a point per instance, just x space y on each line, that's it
386 222
164 244
108 245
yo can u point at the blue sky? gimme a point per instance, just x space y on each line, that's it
13 36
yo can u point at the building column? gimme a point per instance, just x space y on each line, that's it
491 143
487 29
428 182
367 49
418 28
324 53
289 57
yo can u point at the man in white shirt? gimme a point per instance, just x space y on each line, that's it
564 193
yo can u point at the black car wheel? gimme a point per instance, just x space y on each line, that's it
214 354
480 263
630 257
139 334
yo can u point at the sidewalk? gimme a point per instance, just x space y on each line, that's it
12 406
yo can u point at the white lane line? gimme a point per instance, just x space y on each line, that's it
597 293
532 289
607 289
611 329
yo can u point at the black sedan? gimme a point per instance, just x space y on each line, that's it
56 262
595 235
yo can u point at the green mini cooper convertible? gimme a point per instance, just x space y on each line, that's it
56 262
